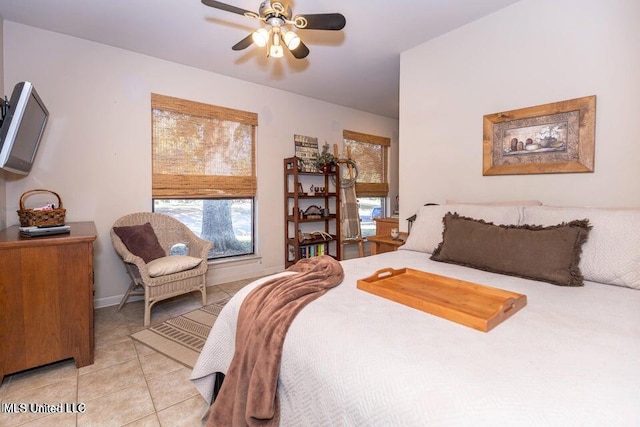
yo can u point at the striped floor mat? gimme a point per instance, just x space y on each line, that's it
182 338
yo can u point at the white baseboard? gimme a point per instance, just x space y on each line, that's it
219 278
115 300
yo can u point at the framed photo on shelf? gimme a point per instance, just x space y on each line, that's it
550 138
306 151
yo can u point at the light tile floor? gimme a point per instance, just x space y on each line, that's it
129 384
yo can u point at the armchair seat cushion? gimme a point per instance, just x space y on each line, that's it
172 264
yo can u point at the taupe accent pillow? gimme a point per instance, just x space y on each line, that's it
549 254
141 240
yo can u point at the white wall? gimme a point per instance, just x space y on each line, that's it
96 150
533 52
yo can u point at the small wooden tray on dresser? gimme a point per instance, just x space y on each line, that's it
470 304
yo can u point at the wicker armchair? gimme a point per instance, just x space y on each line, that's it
169 232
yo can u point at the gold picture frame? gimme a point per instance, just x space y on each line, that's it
550 138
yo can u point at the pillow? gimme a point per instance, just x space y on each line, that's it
172 264
426 232
549 254
141 240
612 254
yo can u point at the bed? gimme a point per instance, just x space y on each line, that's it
571 356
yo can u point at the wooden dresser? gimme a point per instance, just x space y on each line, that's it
46 298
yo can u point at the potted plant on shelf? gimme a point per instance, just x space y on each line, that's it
325 160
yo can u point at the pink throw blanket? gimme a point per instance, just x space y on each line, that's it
248 396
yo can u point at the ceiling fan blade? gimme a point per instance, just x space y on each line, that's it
226 7
244 43
321 21
301 51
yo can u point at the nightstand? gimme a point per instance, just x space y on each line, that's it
384 225
381 244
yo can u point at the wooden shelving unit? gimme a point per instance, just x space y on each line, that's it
302 235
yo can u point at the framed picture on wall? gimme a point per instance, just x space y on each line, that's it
550 138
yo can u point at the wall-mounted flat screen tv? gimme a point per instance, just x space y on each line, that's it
25 118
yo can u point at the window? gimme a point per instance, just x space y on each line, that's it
204 174
370 153
370 208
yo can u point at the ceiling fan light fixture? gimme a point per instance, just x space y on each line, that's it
291 39
260 37
275 36
275 49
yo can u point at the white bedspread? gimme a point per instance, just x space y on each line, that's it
571 357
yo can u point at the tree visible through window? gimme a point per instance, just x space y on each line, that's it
204 171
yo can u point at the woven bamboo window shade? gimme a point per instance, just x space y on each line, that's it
370 153
201 151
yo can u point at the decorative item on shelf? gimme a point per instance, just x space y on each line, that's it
321 235
306 152
395 233
313 212
313 190
325 160
315 235
48 215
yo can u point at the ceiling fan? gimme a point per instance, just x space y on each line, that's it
276 34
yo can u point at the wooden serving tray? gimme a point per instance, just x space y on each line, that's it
476 306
